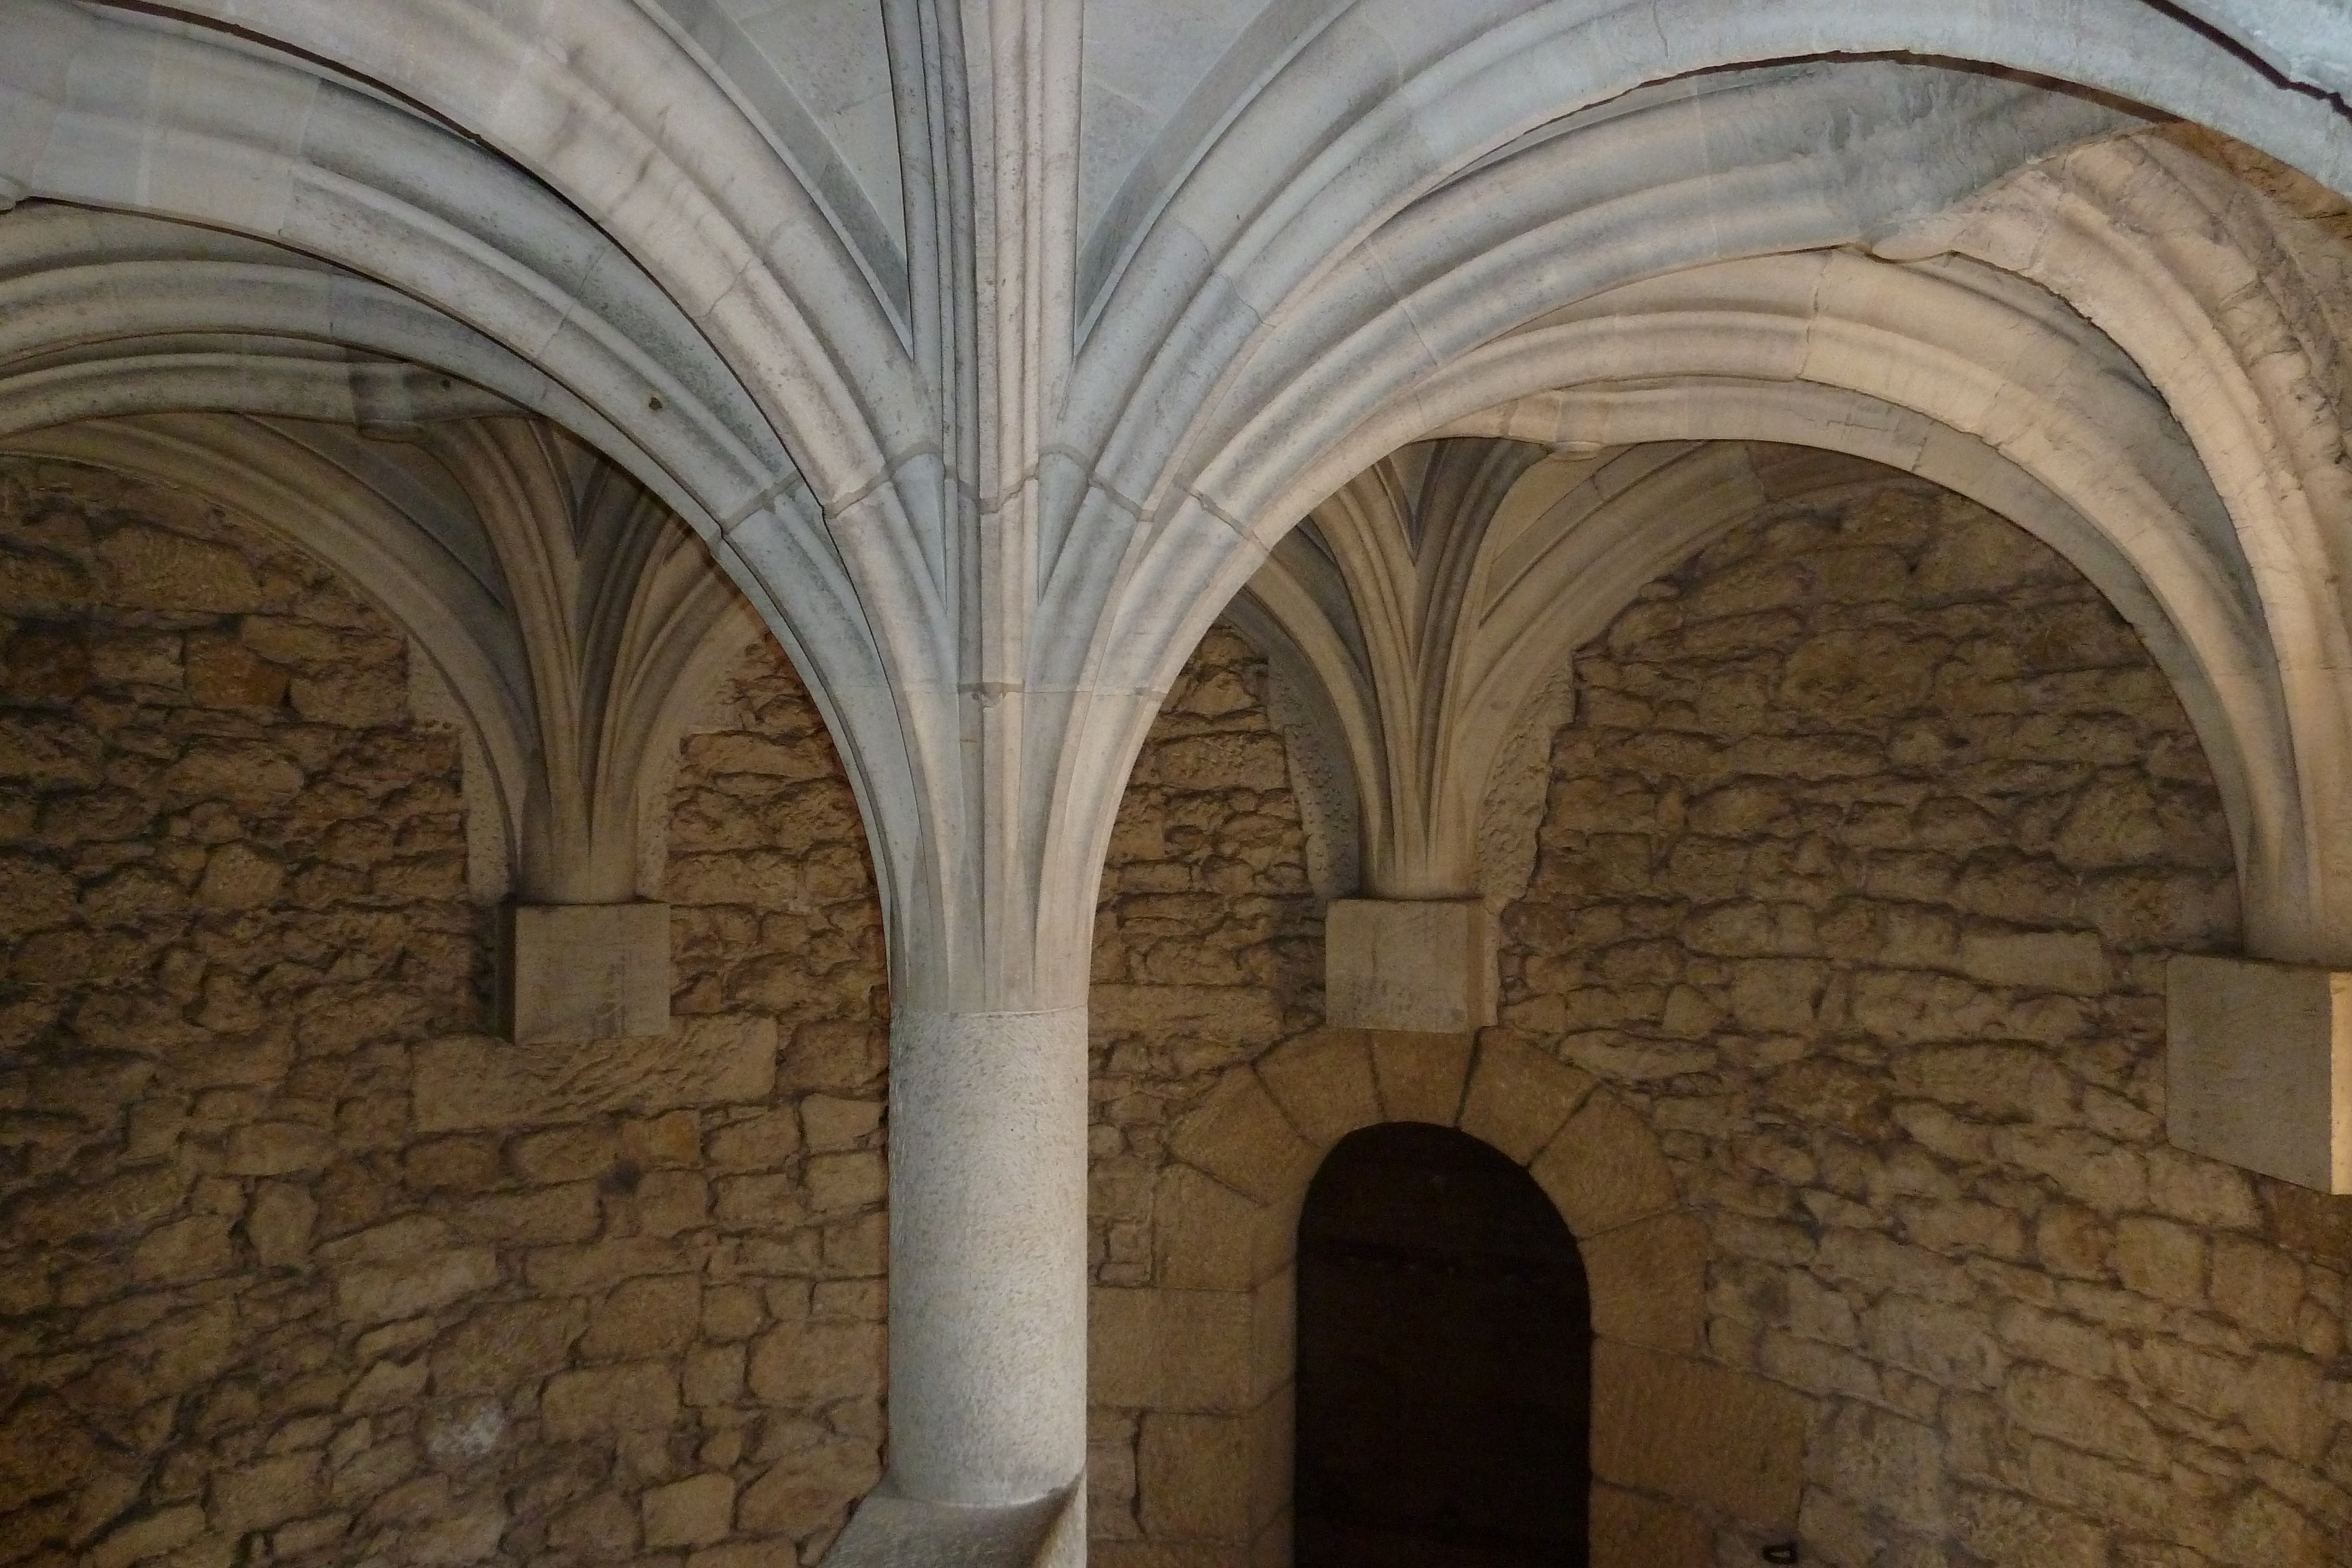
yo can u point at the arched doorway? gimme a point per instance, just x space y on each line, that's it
1445 1360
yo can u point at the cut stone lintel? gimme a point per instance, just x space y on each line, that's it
583 971
2259 1067
1422 965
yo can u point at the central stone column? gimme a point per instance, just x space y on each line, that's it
988 1254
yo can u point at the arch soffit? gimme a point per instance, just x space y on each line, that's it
1466 84
1303 175
1324 359
1473 94
1272 121
290 492
1359 339
105 314
318 487
631 135
89 116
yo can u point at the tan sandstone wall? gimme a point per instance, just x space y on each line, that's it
1208 952
307 1268
1859 868
302 1268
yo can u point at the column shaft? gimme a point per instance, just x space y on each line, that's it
988 1253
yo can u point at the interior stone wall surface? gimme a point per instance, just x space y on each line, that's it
1208 940
1208 952
302 1267
1861 862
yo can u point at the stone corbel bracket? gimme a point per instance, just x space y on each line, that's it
2259 1068
1424 965
622 623
583 971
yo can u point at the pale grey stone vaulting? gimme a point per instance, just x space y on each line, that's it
573 567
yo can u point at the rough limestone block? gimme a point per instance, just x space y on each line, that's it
1323 1081
1698 1432
1194 1474
1273 1334
1649 1282
1240 1136
2259 1067
1273 1456
1630 1530
585 971
1604 1169
1420 1076
470 1080
1272 1548
1520 1097
1205 1232
1169 1350
1424 965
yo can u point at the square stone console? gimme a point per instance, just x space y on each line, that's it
1420 966
583 971
2259 1067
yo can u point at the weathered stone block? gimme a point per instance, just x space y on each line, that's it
2259 1067
644 1318
1169 1350
584 971
502 1346
805 1487
1204 1231
779 1554
639 1396
1421 1075
813 1364
1604 1170
1699 1432
1274 1334
1240 1136
1649 1282
2069 961
1424 964
1518 1096
470 1081
263 1493
152 1536
1630 1530
694 1512
1194 1476
1323 1081
401 1289
279 1148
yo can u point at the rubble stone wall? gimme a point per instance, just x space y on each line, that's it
1208 953
1862 860
302 1267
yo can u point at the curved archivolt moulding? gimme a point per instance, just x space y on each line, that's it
2232 308
1682 1445
1979 381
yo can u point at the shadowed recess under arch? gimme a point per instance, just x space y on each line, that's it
1444 1359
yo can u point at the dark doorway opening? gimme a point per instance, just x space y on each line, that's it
1445 1360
